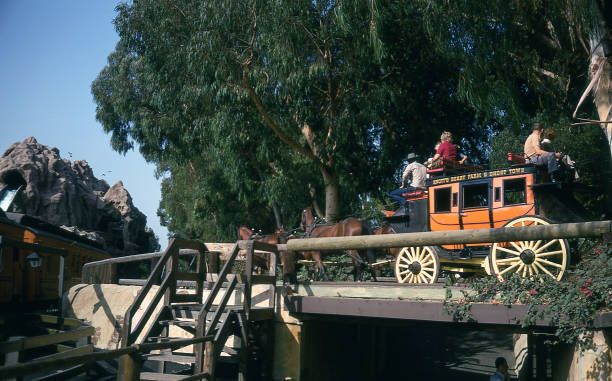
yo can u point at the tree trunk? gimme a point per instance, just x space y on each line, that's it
277 216
602 91
331 195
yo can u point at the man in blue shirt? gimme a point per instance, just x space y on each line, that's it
502 370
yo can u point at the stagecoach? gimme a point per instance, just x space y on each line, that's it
468 197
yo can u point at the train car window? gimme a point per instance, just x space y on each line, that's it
514 191
442 198
497 194
455 199
476 195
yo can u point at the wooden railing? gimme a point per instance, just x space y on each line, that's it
131 371
63 330
167 288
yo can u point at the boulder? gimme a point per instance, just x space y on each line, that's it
65 193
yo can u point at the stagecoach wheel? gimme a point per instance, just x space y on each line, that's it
417 265
529 258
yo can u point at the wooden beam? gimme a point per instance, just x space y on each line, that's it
526 233
33 246
39 341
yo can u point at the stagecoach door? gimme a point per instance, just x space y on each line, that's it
512 197
444 207
475 206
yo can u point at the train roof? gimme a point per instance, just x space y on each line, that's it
43 228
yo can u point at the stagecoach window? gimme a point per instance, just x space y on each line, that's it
476 195
514 191
442 198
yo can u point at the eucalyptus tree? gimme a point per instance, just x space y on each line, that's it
527 58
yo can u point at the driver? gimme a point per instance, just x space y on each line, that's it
416 172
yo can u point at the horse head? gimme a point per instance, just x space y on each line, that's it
307 218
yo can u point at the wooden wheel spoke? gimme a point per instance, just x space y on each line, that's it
402 265
536 245
517 247
524 268
430 276
549 253
517 253
506 260
544 269
510 268
404 272
549 263
535 269
546 245
427 263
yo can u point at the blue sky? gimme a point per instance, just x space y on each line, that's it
50 53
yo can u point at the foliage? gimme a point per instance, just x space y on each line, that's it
570 305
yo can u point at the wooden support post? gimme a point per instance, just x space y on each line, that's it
213 265
209 360
272 271
129 367
249 276
12 358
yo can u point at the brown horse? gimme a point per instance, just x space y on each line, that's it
262 261
387 229
344 228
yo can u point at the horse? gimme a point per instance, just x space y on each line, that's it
262 261
347 227
387 229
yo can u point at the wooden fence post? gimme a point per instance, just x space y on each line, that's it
12 358
129 367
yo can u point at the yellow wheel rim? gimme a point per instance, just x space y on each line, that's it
417 265
529 258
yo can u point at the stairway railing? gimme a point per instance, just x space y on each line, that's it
167 288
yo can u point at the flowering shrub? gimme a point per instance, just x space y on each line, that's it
570 305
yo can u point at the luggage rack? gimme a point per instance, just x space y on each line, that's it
448 167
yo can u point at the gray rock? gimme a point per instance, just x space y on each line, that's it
68 194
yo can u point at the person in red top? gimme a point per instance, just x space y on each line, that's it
447 149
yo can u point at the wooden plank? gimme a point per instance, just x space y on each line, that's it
221 307
196 377
268 247
39 341
181 275
185 298
526 233
33 246
160 376
133 335
72 352
70 322
51 365
263 279
65 374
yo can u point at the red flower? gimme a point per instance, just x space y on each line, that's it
597 251
464 286
532 292
588 293
587 282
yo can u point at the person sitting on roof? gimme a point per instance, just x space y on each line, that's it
534 153
416 172
447 150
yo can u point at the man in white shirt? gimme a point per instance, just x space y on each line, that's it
536 155
416 172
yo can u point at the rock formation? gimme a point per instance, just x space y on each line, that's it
68 194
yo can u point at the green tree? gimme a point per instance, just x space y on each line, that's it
326 97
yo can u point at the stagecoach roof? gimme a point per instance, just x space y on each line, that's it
469 176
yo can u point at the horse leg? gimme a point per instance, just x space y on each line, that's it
357 262
316 256
371 256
